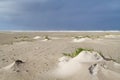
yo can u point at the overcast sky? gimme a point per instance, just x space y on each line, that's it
59 14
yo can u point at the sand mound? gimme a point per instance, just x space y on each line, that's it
36 37
86 66
16 71
82 39
56 38
8 67
112 36
13 66
45 40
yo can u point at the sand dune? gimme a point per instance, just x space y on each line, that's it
89 64
86 40
112 36
45 40
36 37
82 39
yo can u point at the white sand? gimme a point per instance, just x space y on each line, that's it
45 40
8 67
37 37
81 64
55 38
112 36
42 57
82 39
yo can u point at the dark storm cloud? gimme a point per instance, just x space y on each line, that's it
61 14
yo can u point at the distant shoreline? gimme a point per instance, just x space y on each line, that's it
60 31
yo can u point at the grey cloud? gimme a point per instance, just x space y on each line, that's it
56 14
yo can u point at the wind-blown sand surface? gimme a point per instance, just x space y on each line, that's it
29 56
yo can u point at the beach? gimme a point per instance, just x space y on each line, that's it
35 55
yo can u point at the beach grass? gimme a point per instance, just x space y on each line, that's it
79 50
87 36
76 52
46 37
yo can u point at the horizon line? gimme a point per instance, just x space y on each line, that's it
59 30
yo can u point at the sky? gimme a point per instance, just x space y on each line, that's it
59 14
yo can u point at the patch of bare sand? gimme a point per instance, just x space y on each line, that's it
42 57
